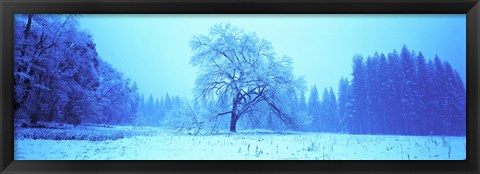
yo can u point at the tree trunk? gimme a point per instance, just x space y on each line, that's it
34 118
233 122
234 117
28 26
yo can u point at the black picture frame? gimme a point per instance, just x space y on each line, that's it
10 7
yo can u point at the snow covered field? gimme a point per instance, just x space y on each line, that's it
262 145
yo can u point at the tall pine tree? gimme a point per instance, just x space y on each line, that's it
359 95
314 108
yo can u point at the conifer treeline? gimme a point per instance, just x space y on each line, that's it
153 111
399 93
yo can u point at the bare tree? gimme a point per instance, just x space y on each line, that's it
239 70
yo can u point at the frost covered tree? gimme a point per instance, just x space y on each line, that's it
240 70
115 96
59 76
54 68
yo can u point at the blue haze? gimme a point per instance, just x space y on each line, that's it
65 92
153 50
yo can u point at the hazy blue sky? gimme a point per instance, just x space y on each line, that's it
154 51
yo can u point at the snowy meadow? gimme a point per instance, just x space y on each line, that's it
161 144
176 87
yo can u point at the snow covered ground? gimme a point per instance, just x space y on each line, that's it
262 145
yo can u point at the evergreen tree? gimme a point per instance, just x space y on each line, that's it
157 109
303 112
344 105
302 105
431 103
454 102
134 103
358 95
372 89
149 106
314 107
142 105
394 85
383 91
423 80
168 103
177 102
324 112
403 94
161 107
439 103
408 92
460 106
333 111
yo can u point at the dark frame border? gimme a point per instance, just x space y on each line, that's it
9 7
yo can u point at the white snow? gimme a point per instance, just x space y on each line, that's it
247 145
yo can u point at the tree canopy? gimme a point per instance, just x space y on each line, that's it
60 77
239 70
